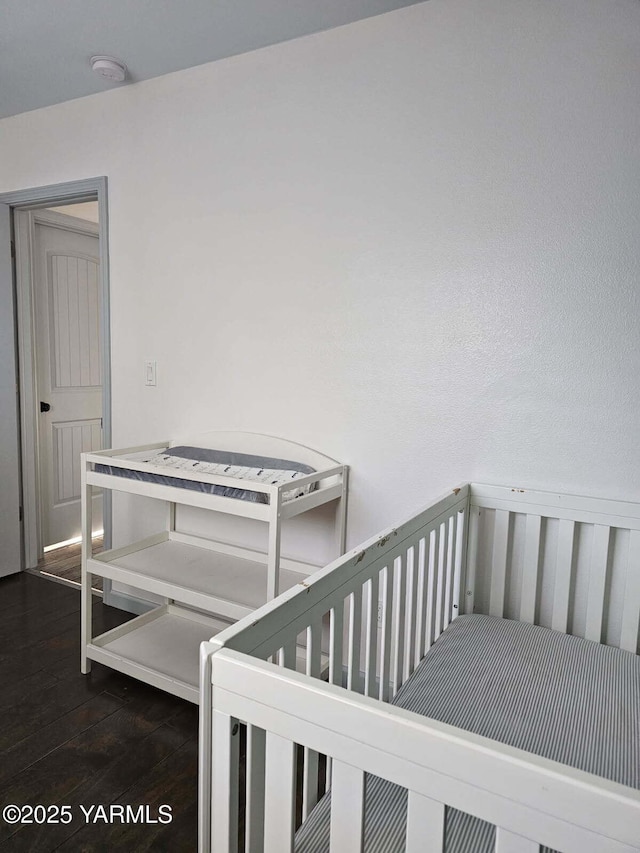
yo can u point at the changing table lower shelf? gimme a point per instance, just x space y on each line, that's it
160 647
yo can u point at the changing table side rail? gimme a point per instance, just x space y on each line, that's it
364 622
531 800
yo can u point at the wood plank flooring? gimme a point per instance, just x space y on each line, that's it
97 740
65 562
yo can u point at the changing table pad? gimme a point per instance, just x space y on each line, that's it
554 695
242 466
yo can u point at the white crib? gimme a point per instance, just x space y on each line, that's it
311 675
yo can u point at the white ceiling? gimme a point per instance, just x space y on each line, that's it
45 45
87 210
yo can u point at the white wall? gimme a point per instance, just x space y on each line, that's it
411 243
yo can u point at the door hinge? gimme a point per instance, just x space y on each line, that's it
21 514
13 249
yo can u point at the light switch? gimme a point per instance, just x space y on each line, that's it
149 373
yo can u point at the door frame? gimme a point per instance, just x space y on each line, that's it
90 189
24 225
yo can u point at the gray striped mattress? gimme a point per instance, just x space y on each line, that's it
561 697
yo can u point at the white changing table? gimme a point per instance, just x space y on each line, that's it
224 582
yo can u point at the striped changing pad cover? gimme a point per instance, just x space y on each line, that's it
240 466
557 696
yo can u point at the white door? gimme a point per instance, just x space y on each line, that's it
67 303
10 535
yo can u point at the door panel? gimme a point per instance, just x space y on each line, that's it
74 322
10 534
69 440
67 308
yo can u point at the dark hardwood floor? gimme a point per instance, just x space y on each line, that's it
97 740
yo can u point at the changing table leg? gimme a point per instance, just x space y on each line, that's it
342 513
171 516
85 605
273 557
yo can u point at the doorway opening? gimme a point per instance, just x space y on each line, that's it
62 310
66 353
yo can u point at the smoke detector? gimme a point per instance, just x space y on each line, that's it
109 68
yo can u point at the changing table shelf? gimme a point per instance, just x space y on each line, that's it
215 577
160 648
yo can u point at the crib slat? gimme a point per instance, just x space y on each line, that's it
347 808
254 808
441 578
355 628
564 560
421 600
448 588
631 606
287 656
499 569
309 781
399 612
386 602
336 637
425 824
279 795
410 627
314 642
509 842
456 605
597 581
336 633
310 776
432 583
451 567
224 779
472 558
530 569
371 645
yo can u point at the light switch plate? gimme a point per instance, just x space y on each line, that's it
149 373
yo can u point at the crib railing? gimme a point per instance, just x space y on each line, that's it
363 623
562 561
278 726
524 796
